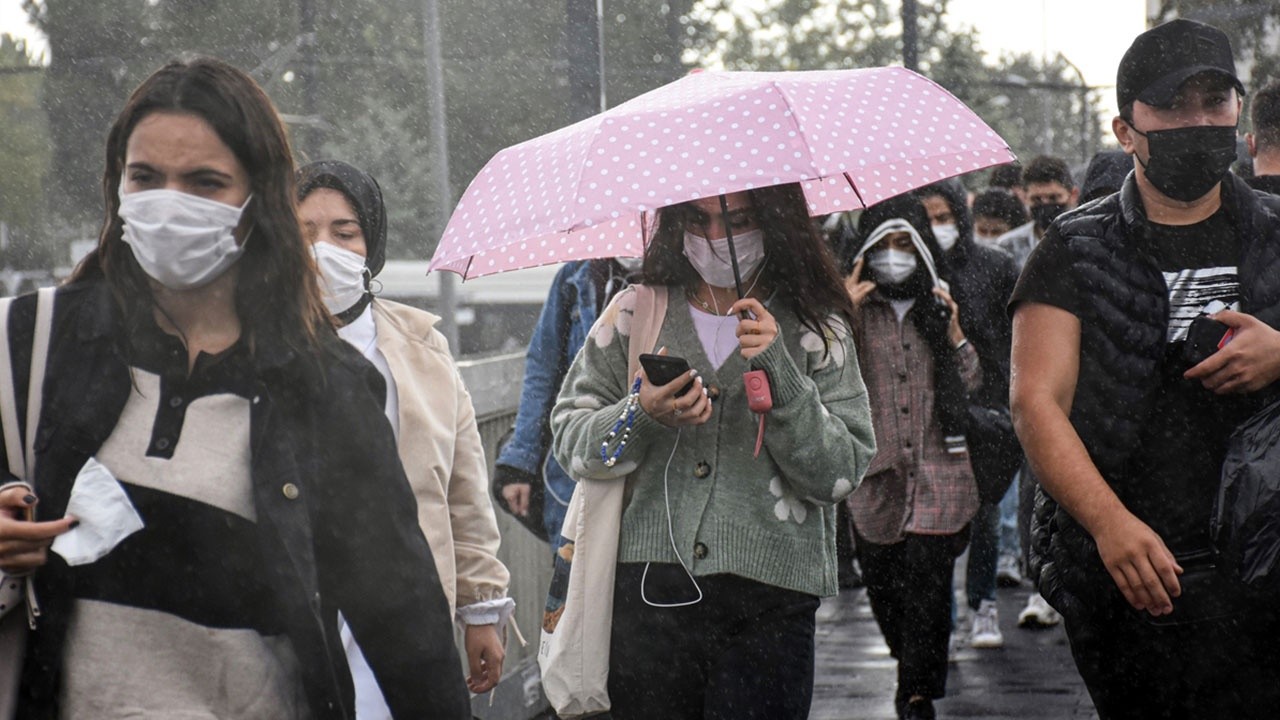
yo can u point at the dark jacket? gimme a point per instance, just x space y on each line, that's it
982 280
1123 329
316 425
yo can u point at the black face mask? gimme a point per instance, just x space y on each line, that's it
1185 163
1044 215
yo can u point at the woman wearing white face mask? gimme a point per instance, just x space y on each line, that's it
194 380
723 554
912 511
343 216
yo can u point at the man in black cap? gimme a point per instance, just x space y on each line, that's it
1125 421
1264 141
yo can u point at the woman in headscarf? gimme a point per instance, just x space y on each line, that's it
343 217
911 513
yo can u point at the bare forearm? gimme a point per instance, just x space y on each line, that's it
1063 466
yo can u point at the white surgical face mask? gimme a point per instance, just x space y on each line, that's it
947 235
182 241
987 239
891 266
711 257
342 276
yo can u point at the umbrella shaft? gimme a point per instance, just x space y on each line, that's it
733 255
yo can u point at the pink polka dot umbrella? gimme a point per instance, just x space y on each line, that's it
851 138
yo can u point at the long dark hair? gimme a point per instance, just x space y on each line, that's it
277 295
800 268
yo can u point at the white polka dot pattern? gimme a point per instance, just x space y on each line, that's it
851 137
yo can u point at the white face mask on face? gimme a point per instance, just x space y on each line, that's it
946 235
891 266
342 276
711 257
987 239
181 241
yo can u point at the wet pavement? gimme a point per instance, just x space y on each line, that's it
1032 676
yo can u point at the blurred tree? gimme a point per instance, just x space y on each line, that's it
95 51
1037 108
1252 25
24 158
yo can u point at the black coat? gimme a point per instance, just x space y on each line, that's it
316 543
1123 329
982 280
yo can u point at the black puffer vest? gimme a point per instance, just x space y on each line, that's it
1123 327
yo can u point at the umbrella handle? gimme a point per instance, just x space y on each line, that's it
733 255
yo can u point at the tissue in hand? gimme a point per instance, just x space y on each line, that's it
106 516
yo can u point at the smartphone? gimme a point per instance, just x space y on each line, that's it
662 369
1204 338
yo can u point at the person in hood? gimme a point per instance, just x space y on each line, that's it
1050 192
343 217
527 480
982 279
1125 422
725 544
996 211
911 514
1263 141
1105 174
193 378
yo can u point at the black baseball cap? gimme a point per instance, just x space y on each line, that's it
1161 59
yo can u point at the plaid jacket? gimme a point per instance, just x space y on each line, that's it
913 484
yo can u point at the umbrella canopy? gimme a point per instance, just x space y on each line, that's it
850 137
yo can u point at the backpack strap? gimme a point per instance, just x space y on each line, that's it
13 445
20 450
650 310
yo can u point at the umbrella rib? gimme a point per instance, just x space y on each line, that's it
795 122
854 186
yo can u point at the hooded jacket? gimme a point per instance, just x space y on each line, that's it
1123 330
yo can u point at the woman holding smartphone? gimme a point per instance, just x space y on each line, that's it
193 362
723 554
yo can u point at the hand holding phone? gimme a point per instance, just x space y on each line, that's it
1205 337
662 369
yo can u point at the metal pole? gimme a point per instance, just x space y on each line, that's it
440 141
310 133
1086 135
584 52
910 35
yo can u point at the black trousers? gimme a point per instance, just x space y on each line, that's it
1216 669
745 652
909 586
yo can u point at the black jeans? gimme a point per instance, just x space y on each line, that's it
744 652
1215 669
909 586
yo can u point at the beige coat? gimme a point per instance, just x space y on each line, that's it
442 455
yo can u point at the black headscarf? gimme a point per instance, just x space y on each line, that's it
928 314
958 201
365 196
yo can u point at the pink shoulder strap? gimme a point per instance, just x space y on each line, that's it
651 308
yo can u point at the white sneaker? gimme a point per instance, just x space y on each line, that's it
1007 572
1038 614
986 627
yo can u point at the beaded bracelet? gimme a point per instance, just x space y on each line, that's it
625 420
